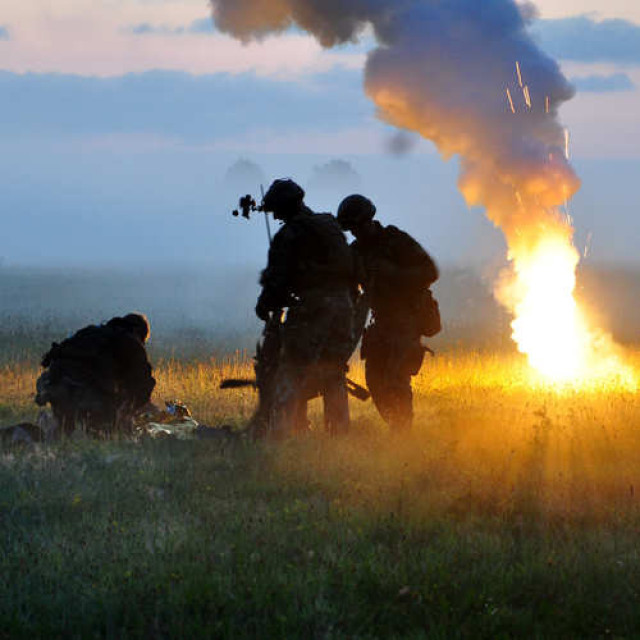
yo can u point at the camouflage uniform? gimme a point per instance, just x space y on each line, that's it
99 377
309 272
395 273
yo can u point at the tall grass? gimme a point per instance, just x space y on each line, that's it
512 510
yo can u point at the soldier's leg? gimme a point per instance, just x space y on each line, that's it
301 419
336 402
65 417
408 356
285 408
101 411
64 409
390 385
375 376
401 404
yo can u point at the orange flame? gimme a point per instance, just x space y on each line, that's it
550 327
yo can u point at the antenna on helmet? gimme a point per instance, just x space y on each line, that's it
266 216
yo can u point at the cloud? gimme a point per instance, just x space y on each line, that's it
178 106
204 25
114 37
146 28
198 27
583 39
4 33
603 84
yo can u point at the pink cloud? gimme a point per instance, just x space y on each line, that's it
80 37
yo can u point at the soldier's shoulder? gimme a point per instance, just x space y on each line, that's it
327 219
392 231
312 222
326 216
84 343
285 232
400 237
90 332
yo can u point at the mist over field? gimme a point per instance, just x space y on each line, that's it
164 242
197 312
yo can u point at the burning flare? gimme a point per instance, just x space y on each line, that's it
549 326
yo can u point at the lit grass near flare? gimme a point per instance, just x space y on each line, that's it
512 510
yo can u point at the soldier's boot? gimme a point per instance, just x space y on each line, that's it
399 409
391 395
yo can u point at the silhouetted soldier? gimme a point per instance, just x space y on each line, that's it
99 377
395 273
309 273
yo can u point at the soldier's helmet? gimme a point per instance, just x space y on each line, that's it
135 323
283 197
355 210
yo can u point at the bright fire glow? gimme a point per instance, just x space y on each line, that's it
549 325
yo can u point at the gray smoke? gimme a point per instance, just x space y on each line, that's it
442 68
401 143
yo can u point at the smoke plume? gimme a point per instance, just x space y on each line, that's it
467 75
442 68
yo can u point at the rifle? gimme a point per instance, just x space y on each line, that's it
266 361
353 388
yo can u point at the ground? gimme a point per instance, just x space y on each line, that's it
511 511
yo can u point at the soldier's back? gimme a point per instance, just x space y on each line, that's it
323 255
84 358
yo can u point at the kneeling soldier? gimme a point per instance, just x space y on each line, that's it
99 377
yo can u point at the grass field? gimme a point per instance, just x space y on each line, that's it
511 511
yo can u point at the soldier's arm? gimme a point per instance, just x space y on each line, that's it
359 271
134 371
276 278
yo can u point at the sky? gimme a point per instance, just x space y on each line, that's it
130 127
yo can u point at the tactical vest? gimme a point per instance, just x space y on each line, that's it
324 260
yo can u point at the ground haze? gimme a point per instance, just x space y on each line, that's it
511 511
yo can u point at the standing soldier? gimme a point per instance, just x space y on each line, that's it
309 273
395 273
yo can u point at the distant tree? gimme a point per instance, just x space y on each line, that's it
244 176
335 175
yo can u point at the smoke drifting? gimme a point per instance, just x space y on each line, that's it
467 75
442 69
401 143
